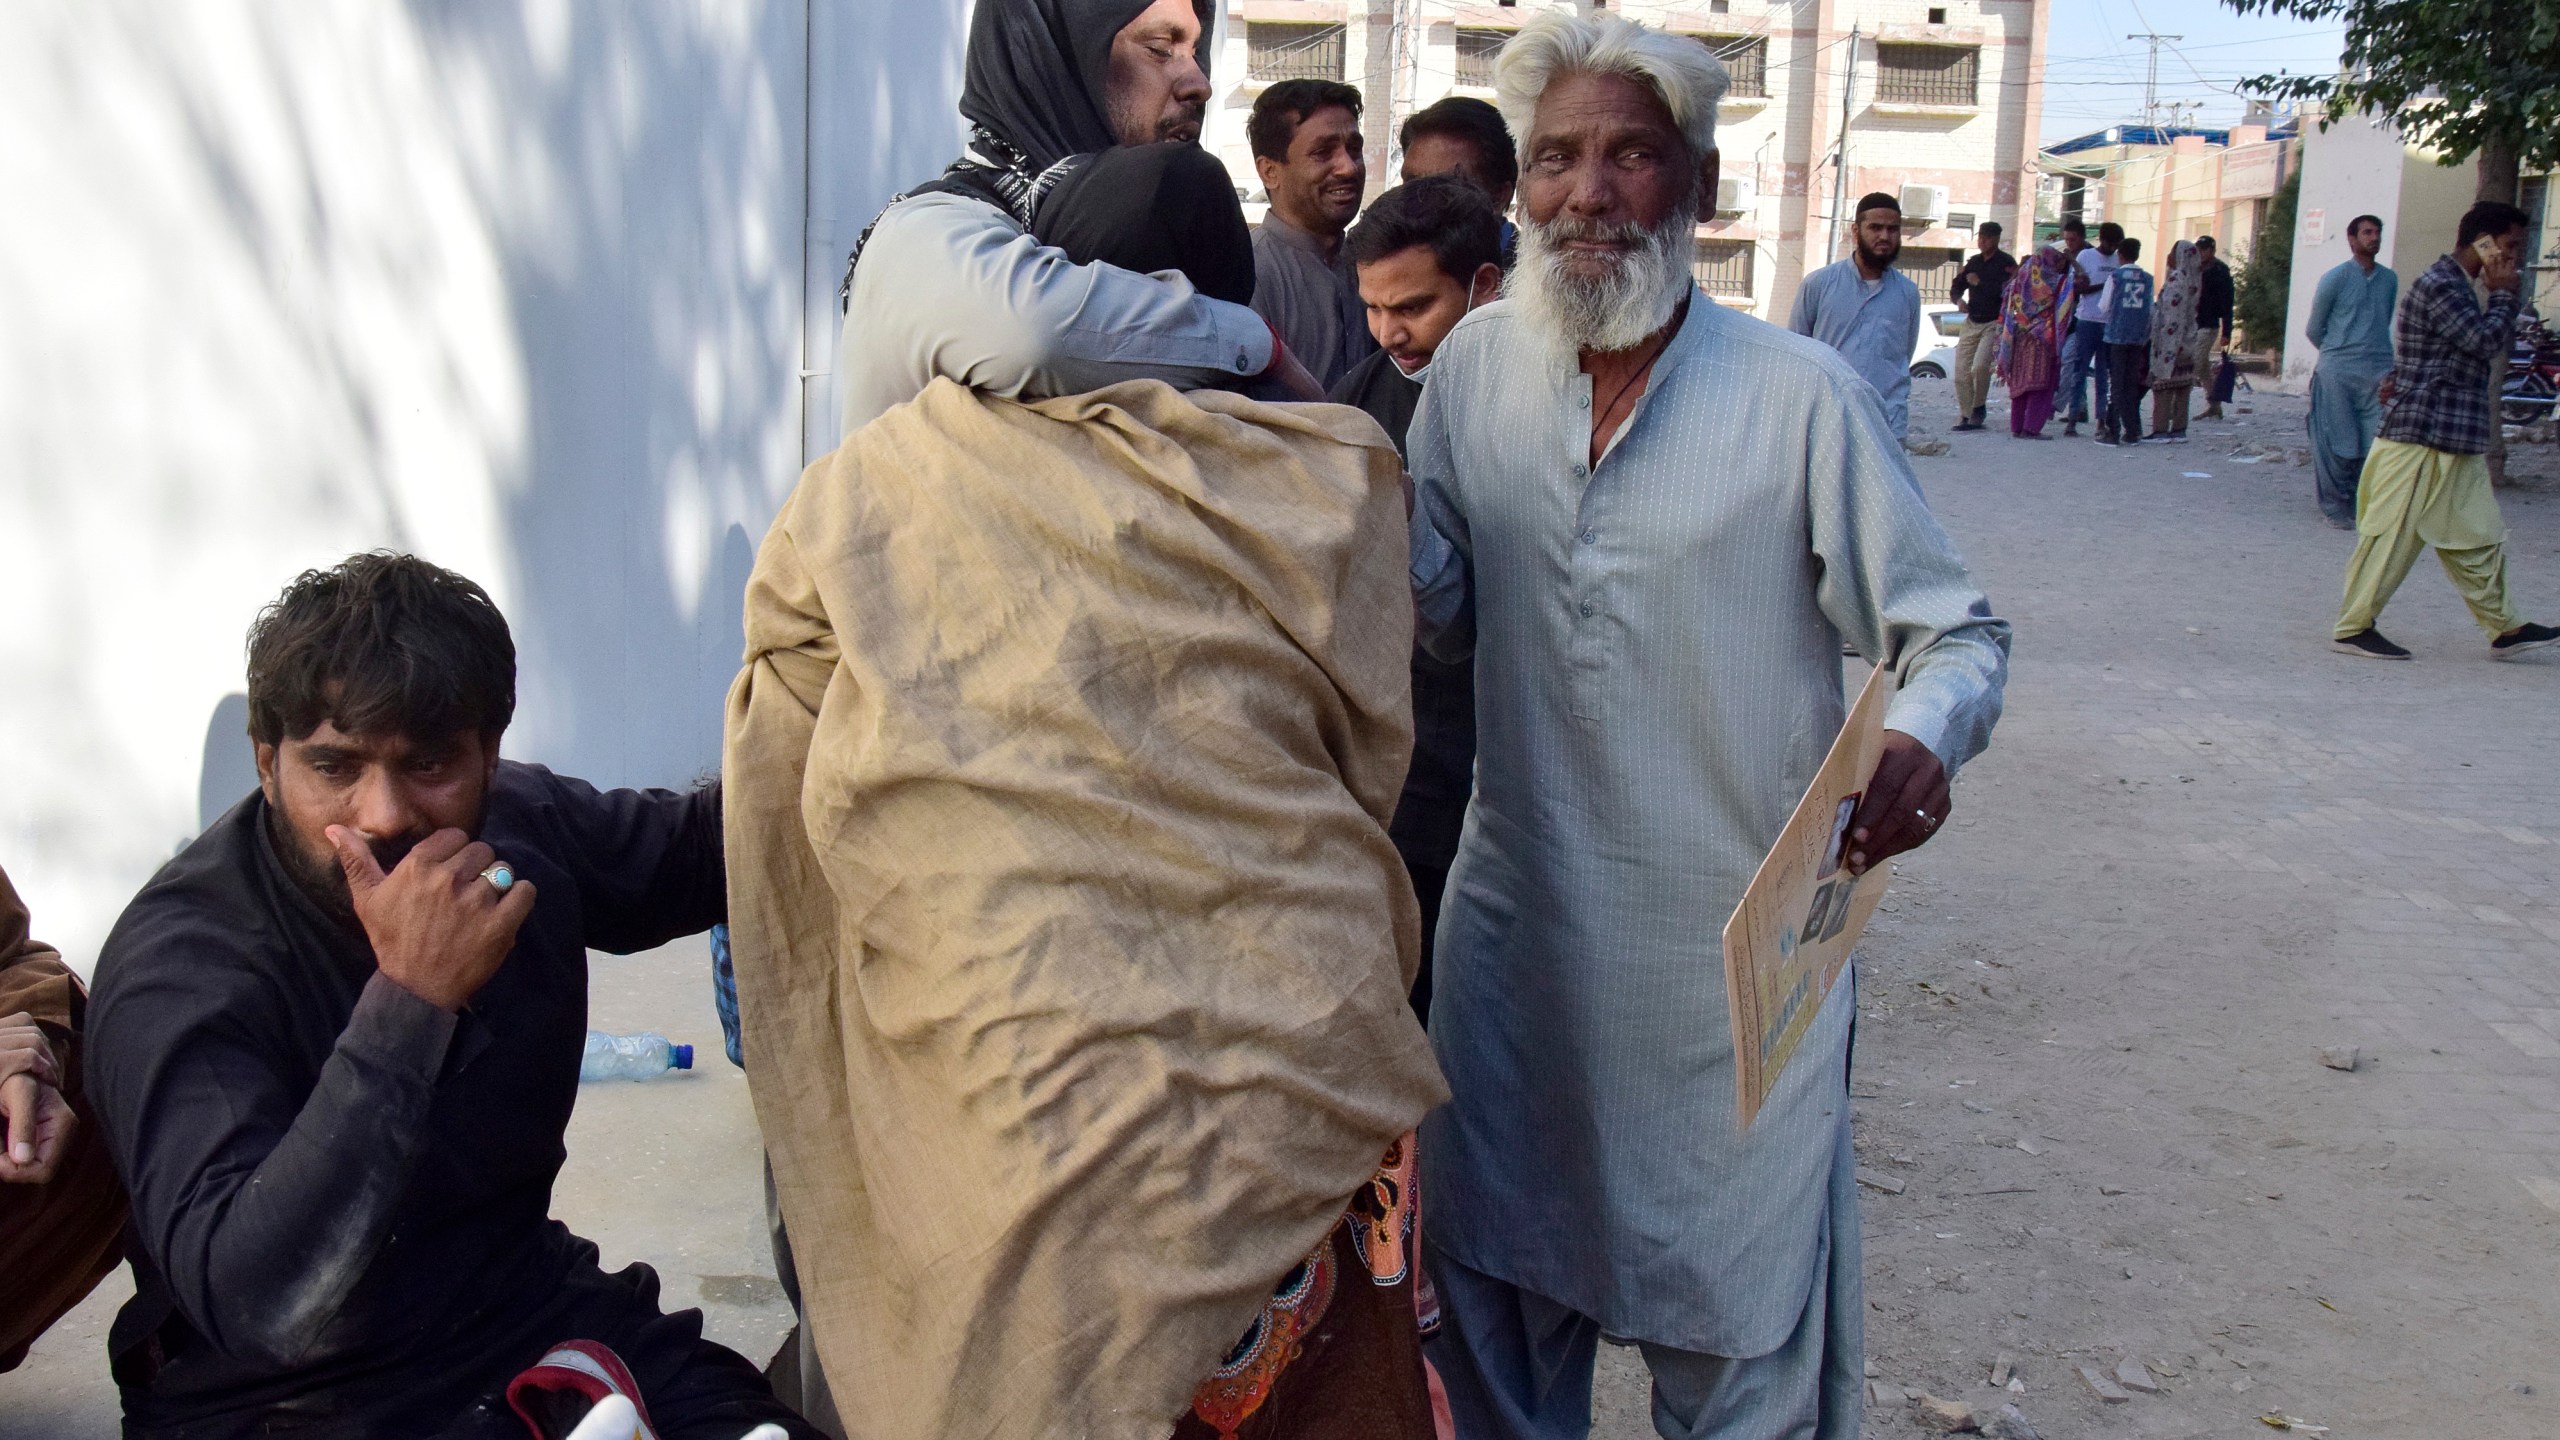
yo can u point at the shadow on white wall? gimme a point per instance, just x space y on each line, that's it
520 288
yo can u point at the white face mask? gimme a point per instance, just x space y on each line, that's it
1415 375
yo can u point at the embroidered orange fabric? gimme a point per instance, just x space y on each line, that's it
1381 1222
1238 1386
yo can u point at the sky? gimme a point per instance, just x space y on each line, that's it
2094 75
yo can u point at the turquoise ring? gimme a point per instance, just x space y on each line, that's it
499 877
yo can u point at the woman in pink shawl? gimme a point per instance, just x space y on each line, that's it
2034 317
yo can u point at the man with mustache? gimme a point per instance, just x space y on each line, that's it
1652 521
1306 148
950 282
1867 310
335 1045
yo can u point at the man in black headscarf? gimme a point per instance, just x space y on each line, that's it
951 281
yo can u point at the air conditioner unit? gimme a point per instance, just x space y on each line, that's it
1735 194
1924 203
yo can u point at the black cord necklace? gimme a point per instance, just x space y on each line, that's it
1639 372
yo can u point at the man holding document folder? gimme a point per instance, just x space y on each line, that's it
1652 522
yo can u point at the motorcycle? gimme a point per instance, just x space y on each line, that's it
2531 390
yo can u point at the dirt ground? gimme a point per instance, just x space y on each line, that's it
2201 848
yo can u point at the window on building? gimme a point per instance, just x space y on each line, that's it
1293 52
1724 268
1746 59
1476 49
1934 271
1928 74
1937 15
1960 220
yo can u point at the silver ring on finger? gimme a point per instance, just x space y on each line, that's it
500 876
1927 821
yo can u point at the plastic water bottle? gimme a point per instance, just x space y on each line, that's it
632 1057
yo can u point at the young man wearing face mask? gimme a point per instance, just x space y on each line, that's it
1427 253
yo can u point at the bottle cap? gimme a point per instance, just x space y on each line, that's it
681 1056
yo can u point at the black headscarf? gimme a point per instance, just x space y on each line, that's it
1151 208
1033 92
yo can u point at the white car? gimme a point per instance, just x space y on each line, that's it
1934 356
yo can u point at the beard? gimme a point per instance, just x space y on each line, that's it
314 869
1882 257
1133 124
1606 300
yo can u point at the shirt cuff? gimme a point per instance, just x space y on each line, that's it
399 1029
1268 356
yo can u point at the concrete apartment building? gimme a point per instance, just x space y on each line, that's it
1942 103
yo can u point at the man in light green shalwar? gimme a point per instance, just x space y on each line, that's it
2351 327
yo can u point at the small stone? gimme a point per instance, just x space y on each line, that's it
2339 1057
1952 1416
2111 1190
1884 1395
2017 1386
1977 1109
2521 1388
2009 1424
2002 1367
2132 1374
2242 1385
1874 1181
2102 1387
2030 1144
1872 1371
1922 445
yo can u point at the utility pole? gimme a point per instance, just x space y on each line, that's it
2151 80
1840 172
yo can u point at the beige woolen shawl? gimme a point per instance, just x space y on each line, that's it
1070 945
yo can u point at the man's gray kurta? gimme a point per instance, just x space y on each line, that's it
1874 324
1658 677
1314 302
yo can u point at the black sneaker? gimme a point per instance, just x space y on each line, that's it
2522 638
2369 643
2106 438
1963 425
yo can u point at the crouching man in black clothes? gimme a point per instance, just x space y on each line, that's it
335 1043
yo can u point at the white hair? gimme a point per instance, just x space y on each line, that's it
1682 71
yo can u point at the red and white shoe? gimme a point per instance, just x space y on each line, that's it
569 1386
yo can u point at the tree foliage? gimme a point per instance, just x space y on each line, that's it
2494 64
2266 278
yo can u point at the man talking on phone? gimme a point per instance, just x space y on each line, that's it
2425 482
335 1043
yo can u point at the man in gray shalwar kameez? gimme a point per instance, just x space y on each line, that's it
1652 521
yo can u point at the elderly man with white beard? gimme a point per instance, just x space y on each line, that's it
1652 522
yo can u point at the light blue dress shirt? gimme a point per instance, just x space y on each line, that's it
1658 675
1874 324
